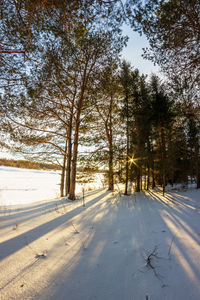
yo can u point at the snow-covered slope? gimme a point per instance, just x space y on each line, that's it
143 246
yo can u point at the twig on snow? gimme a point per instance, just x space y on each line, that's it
75 230
149 257
148 260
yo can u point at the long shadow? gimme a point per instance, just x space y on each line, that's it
111 277
110 266
12 245
21 217
175 214
27 215
179 199
42 203
34 211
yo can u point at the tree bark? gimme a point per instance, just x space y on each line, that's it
153 175
69 158
75 142
62 183
138 180
110 172
148 164
197 166
109 134
127 153
84 80
163 149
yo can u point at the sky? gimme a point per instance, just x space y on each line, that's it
133 52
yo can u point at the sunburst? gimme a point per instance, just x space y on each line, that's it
132 160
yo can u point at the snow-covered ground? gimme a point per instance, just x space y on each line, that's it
143 246
18 186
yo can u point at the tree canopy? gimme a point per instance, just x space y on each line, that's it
173 31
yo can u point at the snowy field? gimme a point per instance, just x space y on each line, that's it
18 186
139 247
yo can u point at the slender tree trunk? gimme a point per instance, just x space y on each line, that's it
145 178
110 174
163 149
148 163
75 147
62 183
148 177
85 78
109 135
197 165
153 175
127 154
138 180
127 175
62 180
74 162
141 174
69 158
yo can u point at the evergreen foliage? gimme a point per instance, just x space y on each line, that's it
173 30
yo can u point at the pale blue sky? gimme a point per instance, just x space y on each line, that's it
133 52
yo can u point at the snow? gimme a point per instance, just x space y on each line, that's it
143 246
18 186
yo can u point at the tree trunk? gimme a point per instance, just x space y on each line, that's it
141 174
163 149
110 142
138 180
75 147
126 179
148 164
79 105
62 178
69 158
62 183
197 166
148 177
145 179
110 172
153 176
127 154
73 169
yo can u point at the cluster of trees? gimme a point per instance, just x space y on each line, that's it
63 57
173 31
26 164
63 85
143 130
161 133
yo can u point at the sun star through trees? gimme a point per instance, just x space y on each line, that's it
132 160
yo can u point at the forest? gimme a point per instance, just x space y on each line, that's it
67 97
27 164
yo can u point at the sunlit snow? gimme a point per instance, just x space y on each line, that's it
18 186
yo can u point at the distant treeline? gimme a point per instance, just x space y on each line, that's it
25 164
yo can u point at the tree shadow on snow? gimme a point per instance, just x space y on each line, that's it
107 259
113 264
14 244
